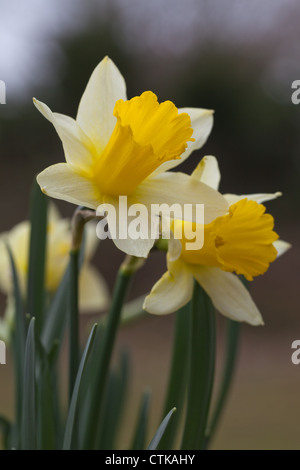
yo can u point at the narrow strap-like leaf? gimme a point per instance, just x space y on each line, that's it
139 437
178 375
201 369
232 340
56 319
37 255
87 386
28 410
93 421
160 431
5 428
18 348
114 403
70 429
46 398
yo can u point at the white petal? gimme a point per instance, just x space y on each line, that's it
61 181
228 294
201 122
165 232
281 247
79 150
207 171
93 292
174 249
179 188
139 248
95 113
133 242
259 197
173 290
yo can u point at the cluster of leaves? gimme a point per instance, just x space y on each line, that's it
97 392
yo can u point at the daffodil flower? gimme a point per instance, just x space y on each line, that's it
93 293
119 147
241 242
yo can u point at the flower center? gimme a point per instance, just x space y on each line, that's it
240 241
146 135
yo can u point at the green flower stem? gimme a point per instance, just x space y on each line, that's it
127 269
232 341
201 369
178 376
73 321
162 244
80 218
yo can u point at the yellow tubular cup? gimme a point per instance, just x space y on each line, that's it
146 135
240 241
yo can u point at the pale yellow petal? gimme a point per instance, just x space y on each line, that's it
58 249
174 249
259 197
173 290
61 181
207 171
201 122
132 235
95 113
281 247
178 188
139 248
5 274
18 241
8 320
93 291
228 294
79 150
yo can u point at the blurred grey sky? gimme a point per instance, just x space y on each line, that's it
29 52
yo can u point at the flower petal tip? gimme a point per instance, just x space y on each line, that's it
257 321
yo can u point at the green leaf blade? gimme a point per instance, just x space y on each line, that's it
70 424
139 437
18 348
37 255
177 384
201 369
160 431
29 395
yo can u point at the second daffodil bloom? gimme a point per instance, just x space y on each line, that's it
118 147
93 293
241 242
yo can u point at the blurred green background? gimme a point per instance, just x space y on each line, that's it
240 60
